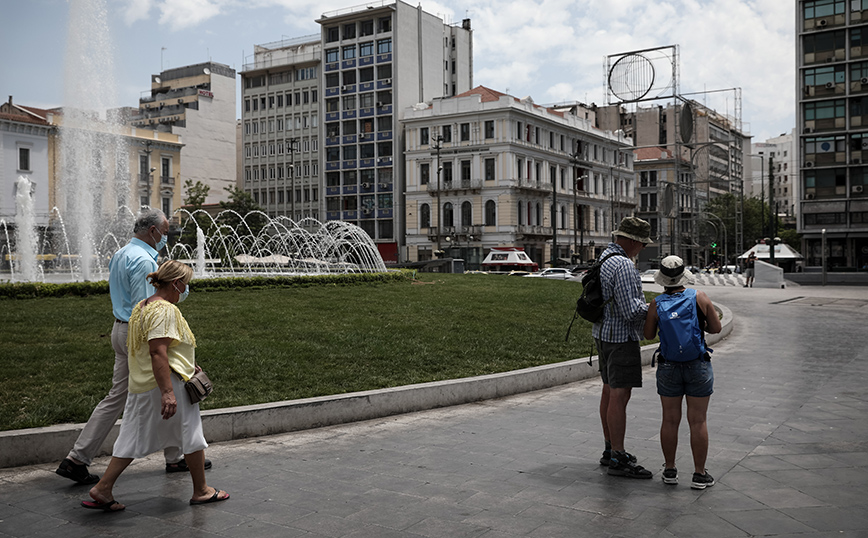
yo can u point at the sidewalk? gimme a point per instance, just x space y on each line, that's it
787 422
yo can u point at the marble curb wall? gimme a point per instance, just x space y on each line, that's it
51 444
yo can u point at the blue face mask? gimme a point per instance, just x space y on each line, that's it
164 238
184 293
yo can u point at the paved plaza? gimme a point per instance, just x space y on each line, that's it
787 424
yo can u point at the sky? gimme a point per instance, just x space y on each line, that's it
551 50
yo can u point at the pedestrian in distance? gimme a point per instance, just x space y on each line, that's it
683 315
128 285
749 269
159 413
617 336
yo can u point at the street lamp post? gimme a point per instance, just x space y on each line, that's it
438 145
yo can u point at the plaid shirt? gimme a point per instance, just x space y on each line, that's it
623 318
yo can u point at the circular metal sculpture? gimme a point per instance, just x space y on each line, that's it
631 77
686 123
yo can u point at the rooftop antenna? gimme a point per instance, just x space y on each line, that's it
161 57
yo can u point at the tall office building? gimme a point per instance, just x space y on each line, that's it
785 175
197 103
378 60
832 124
485 169
280 138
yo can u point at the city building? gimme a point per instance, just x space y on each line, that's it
280 122
832 124
378 60
197 103
785 174
27 137
484 169
663 196
321 114
712 149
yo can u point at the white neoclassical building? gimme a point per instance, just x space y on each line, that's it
484 169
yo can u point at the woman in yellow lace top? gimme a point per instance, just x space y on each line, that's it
158 413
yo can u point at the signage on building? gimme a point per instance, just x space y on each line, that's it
206 93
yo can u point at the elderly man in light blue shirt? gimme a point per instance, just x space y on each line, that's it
128 284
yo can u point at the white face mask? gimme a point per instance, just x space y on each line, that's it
164 238
183 294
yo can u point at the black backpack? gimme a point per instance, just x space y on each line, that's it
591 304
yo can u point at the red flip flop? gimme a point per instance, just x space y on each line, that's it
105 507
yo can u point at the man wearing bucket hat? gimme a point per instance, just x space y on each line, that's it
617 336
684 364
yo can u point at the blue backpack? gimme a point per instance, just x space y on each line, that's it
681 338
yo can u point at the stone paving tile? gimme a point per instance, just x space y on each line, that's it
764 522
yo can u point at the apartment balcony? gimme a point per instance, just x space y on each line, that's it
473 185
168 181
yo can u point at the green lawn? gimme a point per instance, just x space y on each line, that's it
266 345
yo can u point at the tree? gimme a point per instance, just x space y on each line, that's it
196 194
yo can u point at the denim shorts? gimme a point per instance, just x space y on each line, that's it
693 378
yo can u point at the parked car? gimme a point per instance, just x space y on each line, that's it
556 273
648 276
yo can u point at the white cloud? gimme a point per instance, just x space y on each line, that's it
181 14
137 10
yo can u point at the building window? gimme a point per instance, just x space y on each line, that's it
384 71
331 55
447 133
425 216
167 205
467 214
366 74
447 214
465 132
366 28
385 24
490 213
24 159
350 31
384 46
424 173
366 49
332 34
489 129
423 136
823 8
465 171
489 169
349 52
447 172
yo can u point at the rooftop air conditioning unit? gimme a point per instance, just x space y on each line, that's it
830 85
366 185
864 80
379 104
858 189
361 137
388 81
809 196
343 88
822 22
809 164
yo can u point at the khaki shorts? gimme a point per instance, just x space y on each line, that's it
620 364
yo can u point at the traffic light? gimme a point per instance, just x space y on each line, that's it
714 248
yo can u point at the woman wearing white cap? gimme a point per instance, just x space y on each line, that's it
681 314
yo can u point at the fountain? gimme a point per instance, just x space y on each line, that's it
25 230
92 218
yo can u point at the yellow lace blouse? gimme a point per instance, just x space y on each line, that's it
158 319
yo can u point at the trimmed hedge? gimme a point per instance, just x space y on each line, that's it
34 290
